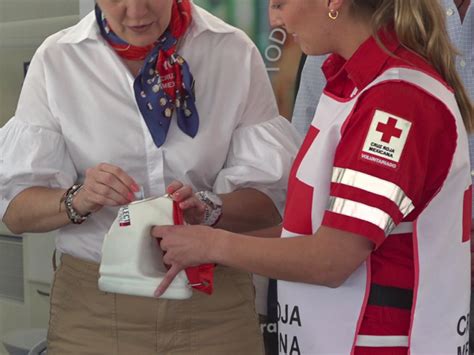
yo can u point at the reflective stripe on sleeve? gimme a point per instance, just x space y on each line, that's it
361 211
374 185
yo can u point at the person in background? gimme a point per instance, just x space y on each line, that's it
299 72
311 87
460 22
376 232
138 94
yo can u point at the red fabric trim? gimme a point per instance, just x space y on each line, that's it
299 201
200 277
354 225
467 215
385 321
416 267
178 217
364 303
392 263
380 351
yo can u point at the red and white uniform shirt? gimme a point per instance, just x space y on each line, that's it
386 157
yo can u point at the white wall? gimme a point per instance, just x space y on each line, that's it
24 24
18 10
85 6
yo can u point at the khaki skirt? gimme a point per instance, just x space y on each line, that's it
85 320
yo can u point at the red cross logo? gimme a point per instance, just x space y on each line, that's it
389 130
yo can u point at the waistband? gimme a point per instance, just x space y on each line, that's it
79 264
91 268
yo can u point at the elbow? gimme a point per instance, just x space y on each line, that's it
333 280
13 227
334 283
13 224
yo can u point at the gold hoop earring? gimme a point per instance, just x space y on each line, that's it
333 14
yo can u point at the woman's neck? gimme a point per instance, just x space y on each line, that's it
354 36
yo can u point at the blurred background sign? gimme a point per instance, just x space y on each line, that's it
281 53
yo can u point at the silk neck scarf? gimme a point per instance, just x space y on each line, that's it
164 84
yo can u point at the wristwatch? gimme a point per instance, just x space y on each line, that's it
213 211
72 214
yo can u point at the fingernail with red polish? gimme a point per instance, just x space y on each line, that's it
134 187
131 197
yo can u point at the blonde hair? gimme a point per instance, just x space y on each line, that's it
420 26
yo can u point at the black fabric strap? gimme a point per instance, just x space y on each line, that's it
387 296
271 338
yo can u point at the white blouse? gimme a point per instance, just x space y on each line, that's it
77 109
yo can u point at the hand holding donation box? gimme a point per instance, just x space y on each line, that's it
132 262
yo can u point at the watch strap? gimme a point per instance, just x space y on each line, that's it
213 210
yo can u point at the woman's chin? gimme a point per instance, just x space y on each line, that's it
141 39
311 51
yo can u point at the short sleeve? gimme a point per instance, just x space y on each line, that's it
394 155
260 102
35 106
32 149
263 144
260 157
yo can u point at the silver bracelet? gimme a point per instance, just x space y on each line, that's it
72 214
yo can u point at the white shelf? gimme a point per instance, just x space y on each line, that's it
37 270
4 230
37 255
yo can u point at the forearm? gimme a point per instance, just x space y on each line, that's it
247 210
308 259
291 259
36 209
270 232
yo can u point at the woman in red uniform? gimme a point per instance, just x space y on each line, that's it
375 240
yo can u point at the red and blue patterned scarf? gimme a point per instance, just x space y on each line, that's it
164 84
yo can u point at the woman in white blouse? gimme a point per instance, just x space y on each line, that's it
140 93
